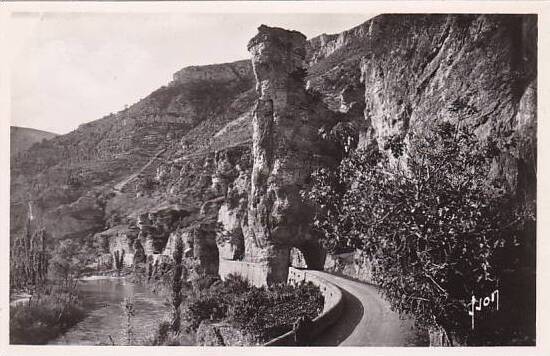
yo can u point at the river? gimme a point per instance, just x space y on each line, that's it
102 299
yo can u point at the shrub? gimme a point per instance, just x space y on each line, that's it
44 317
165 337
264 313
29 258
119 260
268 313
204 307
177 284
438 230
128 307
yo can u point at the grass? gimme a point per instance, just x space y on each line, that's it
44 317
164 337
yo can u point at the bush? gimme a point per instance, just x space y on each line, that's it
44 317
264 313
207 307
438 228
268 313
163 336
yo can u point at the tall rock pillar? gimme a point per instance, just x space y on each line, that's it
286 149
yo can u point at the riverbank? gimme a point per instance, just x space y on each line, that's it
42 315
37 319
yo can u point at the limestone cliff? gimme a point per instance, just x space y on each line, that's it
233 214
226 72
477 71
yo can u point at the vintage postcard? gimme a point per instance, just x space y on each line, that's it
221 175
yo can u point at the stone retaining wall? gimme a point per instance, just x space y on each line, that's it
332 310
254 273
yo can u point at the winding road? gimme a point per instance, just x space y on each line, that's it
367 319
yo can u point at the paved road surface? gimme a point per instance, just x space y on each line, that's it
367 319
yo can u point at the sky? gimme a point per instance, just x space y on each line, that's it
72 68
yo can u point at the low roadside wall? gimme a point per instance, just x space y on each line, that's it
332 310
256 274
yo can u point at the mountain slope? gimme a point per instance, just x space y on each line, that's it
89 161
22 138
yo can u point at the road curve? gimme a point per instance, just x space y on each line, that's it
366 319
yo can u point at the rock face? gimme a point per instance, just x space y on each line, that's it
286 149
241 70
121 239
199 243
79 218
478 71
392 75
233 213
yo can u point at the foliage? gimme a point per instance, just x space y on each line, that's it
299 75
46 315
67 262
54 306
119 260
163 336
177 284
268 313
74 178
29 259
436 230
146 185
396 145
264 312
129 310
139 254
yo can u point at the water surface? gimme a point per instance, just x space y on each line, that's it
102 299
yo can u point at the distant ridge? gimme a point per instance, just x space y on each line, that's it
22 138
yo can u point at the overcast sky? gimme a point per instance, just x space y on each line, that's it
73 68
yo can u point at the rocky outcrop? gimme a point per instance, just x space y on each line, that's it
287 148
119 239
79 218
141 238
199 243
231 178
477 71
355 264
233 215
325 45
156 225
226 72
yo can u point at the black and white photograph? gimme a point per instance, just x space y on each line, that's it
297 178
